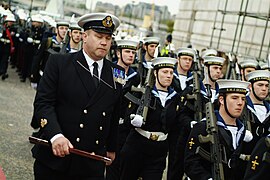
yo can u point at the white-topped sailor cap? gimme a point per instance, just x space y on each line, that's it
75 26
186 52
99 22
213 60
258 75
36 18
164 62
209 52
62 23
151 40
127 44
264 65
245 63
232 86
10 17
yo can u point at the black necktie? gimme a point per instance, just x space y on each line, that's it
95 73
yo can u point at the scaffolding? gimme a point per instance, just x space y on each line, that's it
242 14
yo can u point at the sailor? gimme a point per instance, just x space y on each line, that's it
258 108
33 39
145 150
183 84
259 163
231 134
247 65
6 43
126 52
75 36
49 45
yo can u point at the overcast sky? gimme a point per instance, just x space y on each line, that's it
173 5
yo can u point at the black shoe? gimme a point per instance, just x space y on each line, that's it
4 76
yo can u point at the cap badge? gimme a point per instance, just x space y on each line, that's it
107 21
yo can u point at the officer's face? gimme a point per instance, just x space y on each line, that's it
150 48
96 45
235 103
128 56
76 36
165 76
61 30
185 62
261 89
215 72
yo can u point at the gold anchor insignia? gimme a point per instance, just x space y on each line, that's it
191 143
107 21
43 122
254 163
182 98
177 107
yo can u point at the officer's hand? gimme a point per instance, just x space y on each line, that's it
110 155
136 120
30 40
60 146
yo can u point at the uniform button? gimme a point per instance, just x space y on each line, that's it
81 125
85 111
78 139
104 114
100 128
97 142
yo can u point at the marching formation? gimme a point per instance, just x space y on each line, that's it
142 107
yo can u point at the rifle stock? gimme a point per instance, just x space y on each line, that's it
43 142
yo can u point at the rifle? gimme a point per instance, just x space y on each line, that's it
197 89
64 43
43 142
212 137
144 102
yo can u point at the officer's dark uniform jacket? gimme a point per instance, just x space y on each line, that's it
67 102
259 164
196 167
258 129
140 153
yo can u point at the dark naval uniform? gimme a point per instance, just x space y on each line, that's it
259 164
198 168
67 102
127 108
146 156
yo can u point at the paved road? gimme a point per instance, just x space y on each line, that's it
16 108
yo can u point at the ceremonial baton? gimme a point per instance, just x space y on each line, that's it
71 150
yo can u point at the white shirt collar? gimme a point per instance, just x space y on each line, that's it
90 62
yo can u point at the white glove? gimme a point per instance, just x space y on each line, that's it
17 34
136 120
34 85
248 136
20 39
30 40
192 123
1 34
